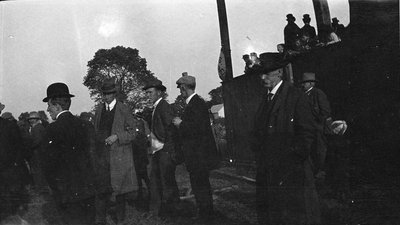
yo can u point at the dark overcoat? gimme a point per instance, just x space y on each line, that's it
67 158
284 132
198 143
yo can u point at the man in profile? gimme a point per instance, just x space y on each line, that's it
198 145
67 163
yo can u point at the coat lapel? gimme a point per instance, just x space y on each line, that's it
281 95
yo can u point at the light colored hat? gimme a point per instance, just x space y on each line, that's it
33 115
308 77
186 79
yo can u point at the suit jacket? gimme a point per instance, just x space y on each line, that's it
67 158
320 105
197 140
118 157
284 138
162 126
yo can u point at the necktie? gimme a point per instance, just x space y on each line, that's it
108 107
269 97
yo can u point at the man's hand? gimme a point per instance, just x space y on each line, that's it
111 140
177 121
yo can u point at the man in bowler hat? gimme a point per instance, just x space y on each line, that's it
115 130
198 145
66 158
163 186
322 112
283 133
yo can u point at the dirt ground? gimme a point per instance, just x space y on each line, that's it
234 202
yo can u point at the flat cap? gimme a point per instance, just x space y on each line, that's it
186 79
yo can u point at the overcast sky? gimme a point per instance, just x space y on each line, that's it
46 41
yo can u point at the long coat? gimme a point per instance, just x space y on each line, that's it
284 131
115 164
198 144
67 158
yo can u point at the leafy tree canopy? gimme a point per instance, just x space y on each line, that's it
127 68
215 96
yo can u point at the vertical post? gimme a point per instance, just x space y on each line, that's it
224 32
322 15
226 50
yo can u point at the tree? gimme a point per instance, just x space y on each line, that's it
179 105
215 96
127 68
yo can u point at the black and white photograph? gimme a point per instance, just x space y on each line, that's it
199 112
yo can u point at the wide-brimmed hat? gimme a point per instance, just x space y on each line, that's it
290 17
308 77
155 84
186 79
270 62
306 18
57 90
2 106
108 86
33 115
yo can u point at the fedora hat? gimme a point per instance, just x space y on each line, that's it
290 17
108 86
33 115
270 61
57 90
157 84
308 77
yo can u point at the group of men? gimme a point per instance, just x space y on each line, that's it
90 167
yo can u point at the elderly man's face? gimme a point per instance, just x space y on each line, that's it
271 79
153 94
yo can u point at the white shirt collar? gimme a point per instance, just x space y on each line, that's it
112 104
275 89
61 113
156 103
190 97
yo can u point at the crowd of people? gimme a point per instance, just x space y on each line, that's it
93 167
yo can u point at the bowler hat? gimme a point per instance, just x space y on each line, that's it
308 77
108 86
57 90
157 84
33 115
2 107
290 17
186 79
306 17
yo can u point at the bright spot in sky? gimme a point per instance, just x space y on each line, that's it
249 50
109 26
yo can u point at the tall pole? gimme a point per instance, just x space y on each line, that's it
322 15
224 32
228 75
